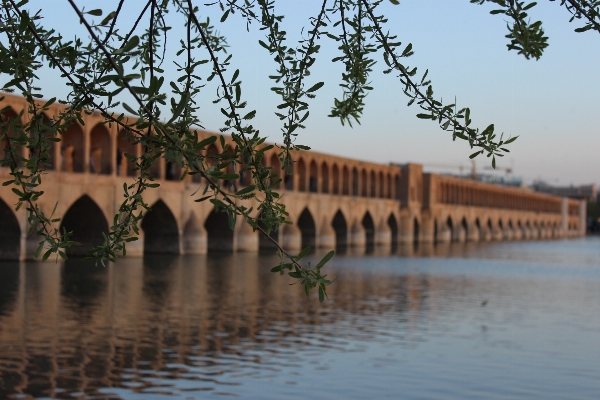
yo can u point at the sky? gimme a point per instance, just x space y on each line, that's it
553 104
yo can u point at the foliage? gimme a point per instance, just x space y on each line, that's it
116 65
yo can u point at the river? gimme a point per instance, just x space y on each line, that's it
518 320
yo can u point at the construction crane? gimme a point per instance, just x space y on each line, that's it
454 166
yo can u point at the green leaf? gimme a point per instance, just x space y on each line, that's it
425 116
38 250
325 259
245 190
315 87
97 12
200 200
131 43
129 109
303 253
224 16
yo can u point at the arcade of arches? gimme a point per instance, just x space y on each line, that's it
334 202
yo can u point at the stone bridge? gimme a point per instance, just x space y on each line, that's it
334 202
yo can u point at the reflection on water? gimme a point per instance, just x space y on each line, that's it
499 320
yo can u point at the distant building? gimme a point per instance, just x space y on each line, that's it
583 192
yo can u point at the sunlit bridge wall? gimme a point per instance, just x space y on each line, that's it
334 202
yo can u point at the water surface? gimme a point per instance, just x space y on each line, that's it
516 320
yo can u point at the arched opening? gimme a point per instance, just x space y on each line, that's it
388 193
381 186
288 181
354 182
313 179
363 183
416 230
124 147
173 170
307 226
398 194
8 118
340 227
41 126
373 184
161 234
228 158
10 233
72 149
450 227
435 231
301 168
336 179
369 225
465 227
276 170
479 230
219 234
393 224
345 181
100 150
87 222
324 178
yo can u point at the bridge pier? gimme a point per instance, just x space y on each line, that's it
244 237
194 237
444 236
406 233
326 235
427 230
358 236
383 234
290 237
472 235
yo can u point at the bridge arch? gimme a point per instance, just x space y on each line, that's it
219 234
307 226
124 146
8 117
369 226
335 174
373 184
161 233
345 181
480 230
301 170
100 150
363 182
10 233
87 231
464 225
313 179
340 226
324 177
73 149
450 227
354 181
41 125
275 162
416 230
393 224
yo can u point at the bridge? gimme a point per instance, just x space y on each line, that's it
334 202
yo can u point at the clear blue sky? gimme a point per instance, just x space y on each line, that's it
552 104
